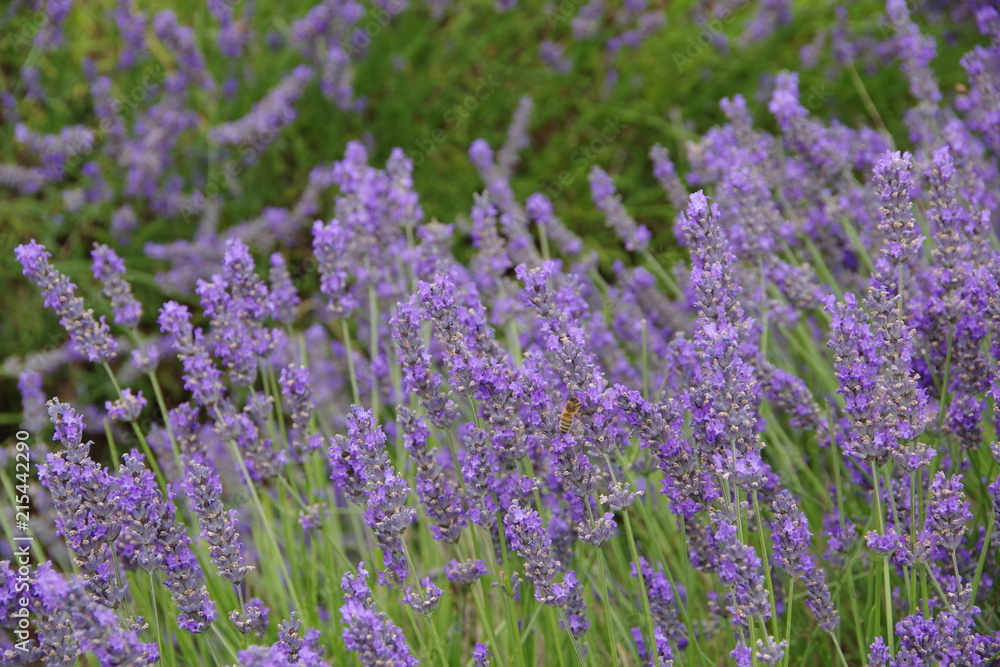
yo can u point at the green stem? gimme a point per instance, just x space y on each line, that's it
350 363
767 566
259 506
982 556
885 563
642 585
158 393
788 618
840 651
373 344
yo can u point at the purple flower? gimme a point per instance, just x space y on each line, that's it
150 522
517 137
252 618
29 383
790 538
237 300
423 603
296 391
90 337
438 493
666 175
481 655
947 510
552 54
128 407
857 356
245 429
897 224
182 42
88 505
330 246
69 623
266 117
201 377
539 208
739 570
665 599
466 572
527 537
284 296
418 376
218 526
555 299
293 648
361 469
602 189
109 268
369 633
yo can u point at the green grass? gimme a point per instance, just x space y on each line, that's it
668 92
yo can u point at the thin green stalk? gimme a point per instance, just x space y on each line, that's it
158 393
543 239
767 566
645 360
502 574
603 565
275 391
156 611
373 344
866 99
885 563
840 651
576 642
111 443
234 450
630 536
160 477
350 363
662 274
480 601
435 637
982 555
788 618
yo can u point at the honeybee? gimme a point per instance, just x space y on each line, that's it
569 411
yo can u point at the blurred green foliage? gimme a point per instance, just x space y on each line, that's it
420 77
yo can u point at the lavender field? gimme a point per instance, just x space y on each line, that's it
494 332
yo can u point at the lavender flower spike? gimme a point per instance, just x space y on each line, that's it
790 537
896 222
361 468
109 268
948 511
150 521
90 337
602 189
532 543
368 632
296 390
128 407
87 504
218 526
